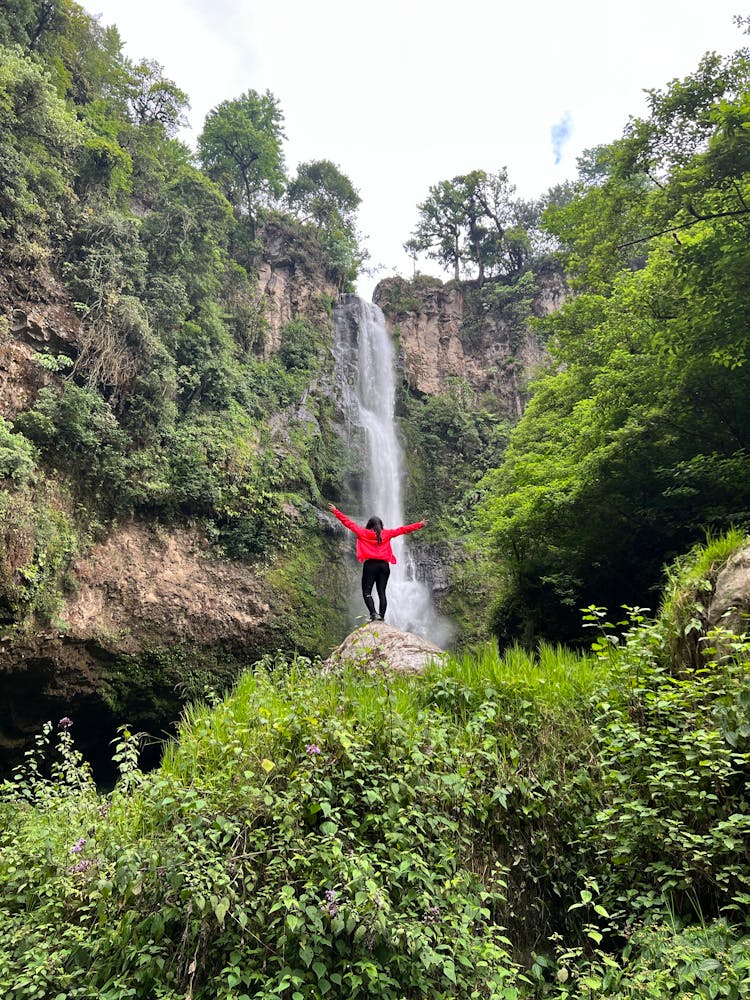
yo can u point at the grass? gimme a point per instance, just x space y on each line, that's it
397 829
281 707
551 675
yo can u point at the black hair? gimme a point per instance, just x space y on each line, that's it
376 525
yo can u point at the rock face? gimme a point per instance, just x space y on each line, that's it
39 317
730 603
147 606
291 286
377 645
443 336
149 587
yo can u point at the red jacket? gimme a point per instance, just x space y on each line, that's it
367 540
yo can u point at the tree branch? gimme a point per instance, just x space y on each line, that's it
685 225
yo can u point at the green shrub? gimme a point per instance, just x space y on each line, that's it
77 432
512 827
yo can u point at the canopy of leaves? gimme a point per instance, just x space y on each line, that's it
474 224
240 149
38 142
637 440
321 193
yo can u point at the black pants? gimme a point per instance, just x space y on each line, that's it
375 571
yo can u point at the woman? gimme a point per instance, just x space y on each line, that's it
376 555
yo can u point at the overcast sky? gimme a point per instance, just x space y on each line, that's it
401 94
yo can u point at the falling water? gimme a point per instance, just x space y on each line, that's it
365 364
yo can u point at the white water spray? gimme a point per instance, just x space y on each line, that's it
365 365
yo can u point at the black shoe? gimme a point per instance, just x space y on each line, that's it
375 618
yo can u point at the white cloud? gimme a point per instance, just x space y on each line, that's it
404 94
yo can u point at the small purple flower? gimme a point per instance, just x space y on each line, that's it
78 846
313 749
81 866
65 723
331 907
433 915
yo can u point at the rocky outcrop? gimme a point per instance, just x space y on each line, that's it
444 333
38 317
378 646
730 604
292 282
149 587
152 613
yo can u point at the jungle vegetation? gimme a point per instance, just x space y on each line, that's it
541 822
533 825
161 407
635 440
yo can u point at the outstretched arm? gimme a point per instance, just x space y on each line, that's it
406 529
346 521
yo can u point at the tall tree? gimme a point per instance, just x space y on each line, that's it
322 194
153 99
637 439
440 227
474 224
240 149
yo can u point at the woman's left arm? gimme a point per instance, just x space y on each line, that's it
406 529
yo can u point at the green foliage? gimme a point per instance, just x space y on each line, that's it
689 585
636 440
310 613
452 439
104 164
38 140
514 301
473 223
186 237
155 685
162 273
322 194
219 471
38 542
76 431
25 23
17 455
154 100
346 830
240 149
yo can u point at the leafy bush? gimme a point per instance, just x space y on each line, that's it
77 432
17 455
38 139
347 832
38 541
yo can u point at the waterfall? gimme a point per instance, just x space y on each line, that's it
366 377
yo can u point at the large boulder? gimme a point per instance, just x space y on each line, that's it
378 645
730 603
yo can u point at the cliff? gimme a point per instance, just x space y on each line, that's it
140 612
292 283
451 331
466 353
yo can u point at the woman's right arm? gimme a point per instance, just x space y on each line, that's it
346 521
